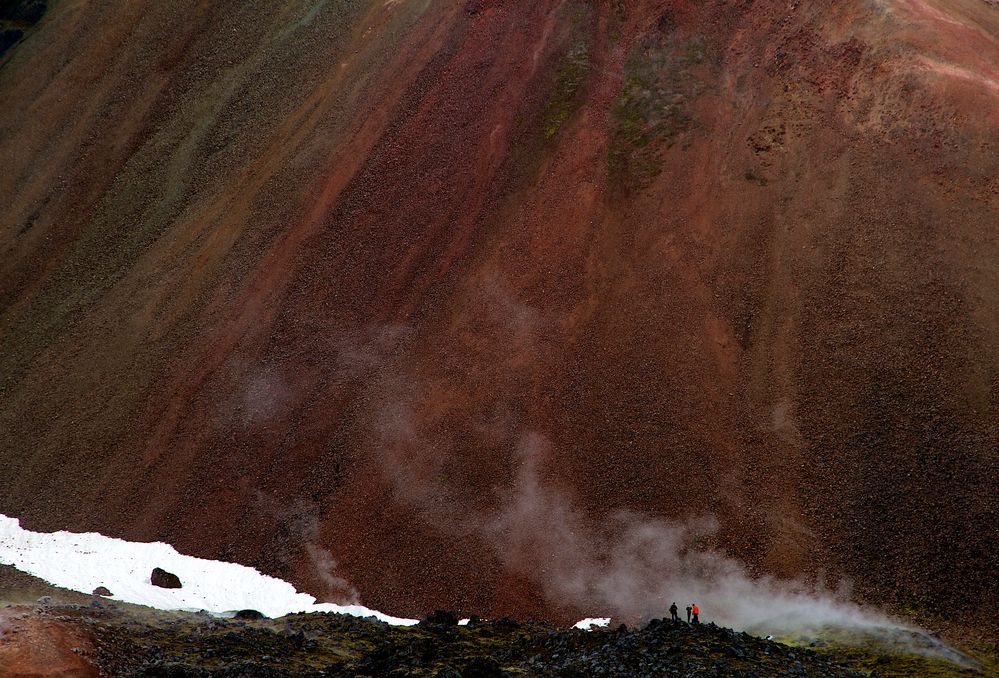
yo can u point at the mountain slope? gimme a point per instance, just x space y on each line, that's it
365 294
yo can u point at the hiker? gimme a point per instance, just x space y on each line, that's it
696 610
672 612
688 614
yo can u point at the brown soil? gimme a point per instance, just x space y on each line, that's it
285 285
32 646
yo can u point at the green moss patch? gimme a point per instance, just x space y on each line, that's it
567 96
653 109
899 652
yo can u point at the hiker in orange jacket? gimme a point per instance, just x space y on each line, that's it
696 610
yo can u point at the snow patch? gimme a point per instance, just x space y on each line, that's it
82 562
590 622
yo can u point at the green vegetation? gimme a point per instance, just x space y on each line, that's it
697 50
653 108
900 653
619 14
566 96
888 664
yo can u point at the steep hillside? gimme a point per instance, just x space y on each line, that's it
410 299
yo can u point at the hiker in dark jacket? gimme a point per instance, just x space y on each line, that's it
672 612
688 614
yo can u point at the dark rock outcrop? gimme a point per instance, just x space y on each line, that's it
327 645
15 17
23 12
440 618
164 579
9 37
102 591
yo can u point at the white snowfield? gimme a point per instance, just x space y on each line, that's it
82 562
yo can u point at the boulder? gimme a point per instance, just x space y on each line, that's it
102 591
250 615
164 579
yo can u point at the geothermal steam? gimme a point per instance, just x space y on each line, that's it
634 566
301 518
627 564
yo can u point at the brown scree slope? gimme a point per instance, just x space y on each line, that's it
294 282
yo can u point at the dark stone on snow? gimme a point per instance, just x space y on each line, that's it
102 591
164 579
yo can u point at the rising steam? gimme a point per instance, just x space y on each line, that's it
301 518
633 566
627 565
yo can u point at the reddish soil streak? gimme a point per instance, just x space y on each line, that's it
32 646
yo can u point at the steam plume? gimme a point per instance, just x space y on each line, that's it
633 566
301 518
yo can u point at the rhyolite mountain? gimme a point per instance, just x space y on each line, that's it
315 285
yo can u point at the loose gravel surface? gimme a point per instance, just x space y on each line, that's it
378 296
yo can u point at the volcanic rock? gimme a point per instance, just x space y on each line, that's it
440 618
482 667
102 591
164 579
